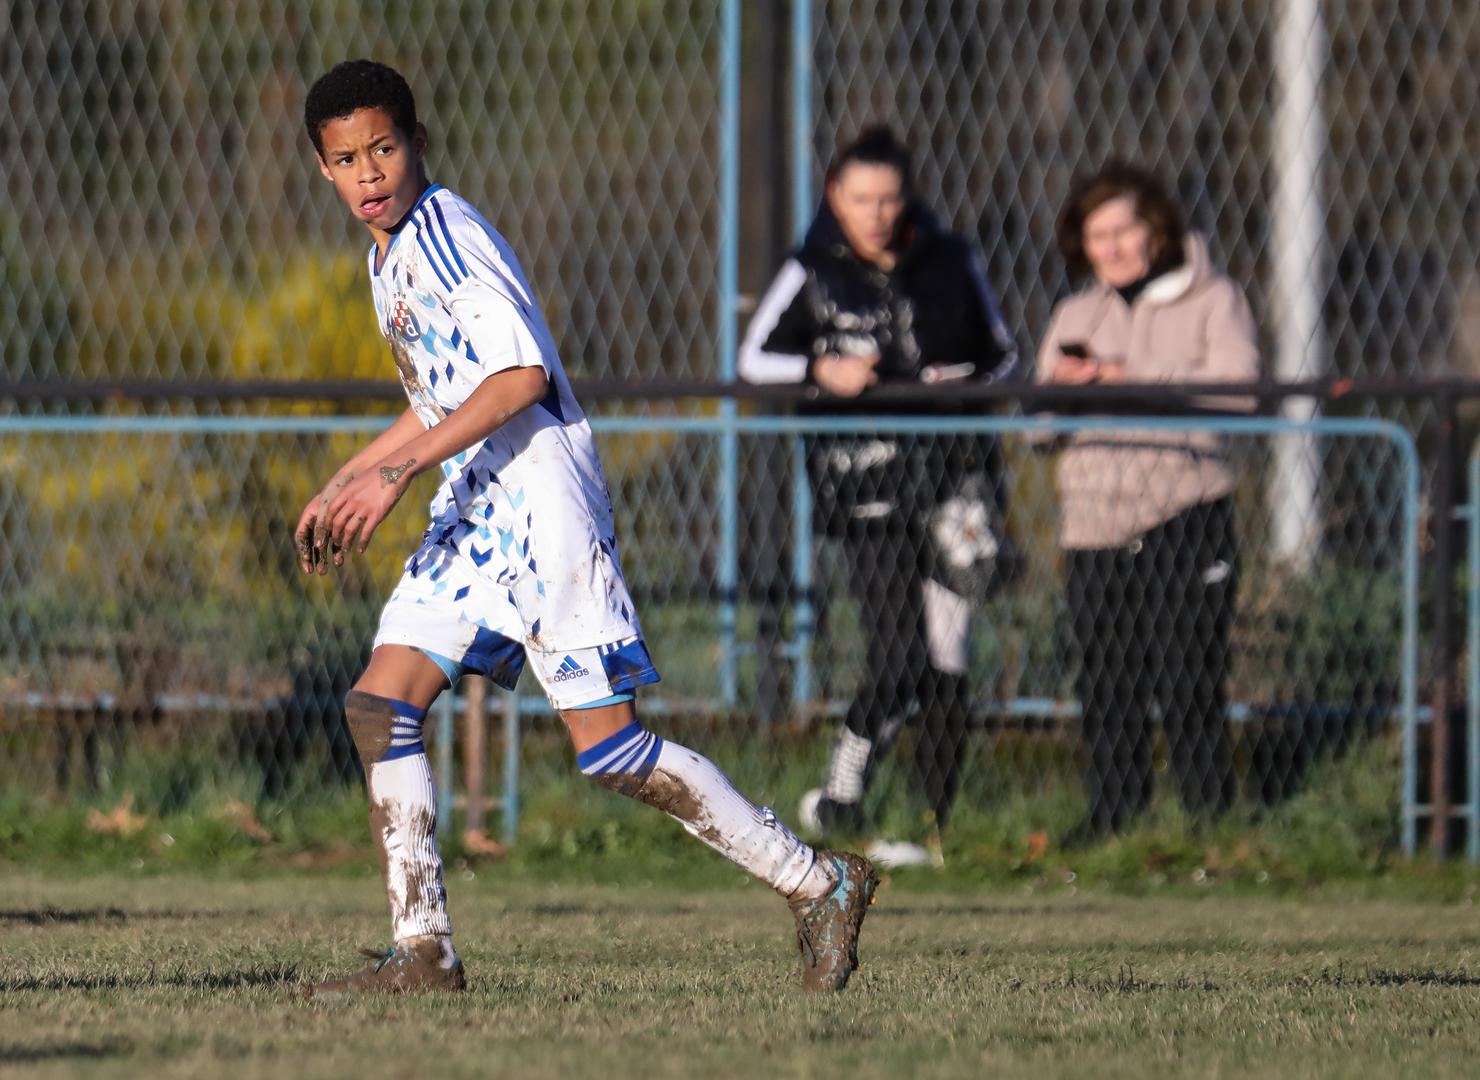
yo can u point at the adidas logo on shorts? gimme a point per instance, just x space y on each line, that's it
569 669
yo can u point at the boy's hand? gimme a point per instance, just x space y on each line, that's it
311 536
364 503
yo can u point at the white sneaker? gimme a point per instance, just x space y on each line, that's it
807 812
896 854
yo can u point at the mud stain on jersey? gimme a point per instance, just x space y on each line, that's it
411 380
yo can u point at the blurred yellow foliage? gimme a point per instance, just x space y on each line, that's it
319 311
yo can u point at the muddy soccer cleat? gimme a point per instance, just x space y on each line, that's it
827 928
416 964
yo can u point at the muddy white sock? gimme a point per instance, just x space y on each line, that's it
689 788
403 816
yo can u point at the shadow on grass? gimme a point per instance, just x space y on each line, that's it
1385 978
17 1054
887 909
267 975
1125 981
43 916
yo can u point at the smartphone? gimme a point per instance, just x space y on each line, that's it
1077 349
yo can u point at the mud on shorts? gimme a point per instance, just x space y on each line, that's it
461 642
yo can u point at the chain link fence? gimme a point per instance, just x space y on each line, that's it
165 218
165 221
1006 103
163 644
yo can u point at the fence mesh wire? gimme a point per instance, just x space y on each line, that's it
164 219
1005 103
159 640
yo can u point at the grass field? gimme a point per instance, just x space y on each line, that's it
177 975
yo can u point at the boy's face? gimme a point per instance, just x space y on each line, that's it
375 166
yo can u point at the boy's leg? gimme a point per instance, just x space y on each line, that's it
828 891
614 750
385 712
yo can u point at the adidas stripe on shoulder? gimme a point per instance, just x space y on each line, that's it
438 246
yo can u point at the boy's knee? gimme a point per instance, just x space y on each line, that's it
370 719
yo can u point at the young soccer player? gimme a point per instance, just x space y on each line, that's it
519 564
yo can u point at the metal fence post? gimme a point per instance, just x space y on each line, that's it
446 742
1443 519
729 273
512 732
1472 657
801 117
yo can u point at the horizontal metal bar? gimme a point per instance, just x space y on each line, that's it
1455 811
717 425
990 425
194 425
342 390
1039 708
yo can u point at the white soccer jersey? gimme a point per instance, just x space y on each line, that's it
521 545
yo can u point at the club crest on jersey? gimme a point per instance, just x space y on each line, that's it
403 321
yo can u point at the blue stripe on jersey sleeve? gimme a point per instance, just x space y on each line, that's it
447 235
432 262
431 232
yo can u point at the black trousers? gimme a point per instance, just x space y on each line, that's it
1151 622
889 569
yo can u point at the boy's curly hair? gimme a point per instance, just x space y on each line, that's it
358 84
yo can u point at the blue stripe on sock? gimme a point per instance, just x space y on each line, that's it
629 755
407 711
651 759
633 751
589 757
395 753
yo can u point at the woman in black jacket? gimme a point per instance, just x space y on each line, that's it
879 295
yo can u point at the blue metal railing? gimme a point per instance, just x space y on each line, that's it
1470 513
729 295
728 427
802 204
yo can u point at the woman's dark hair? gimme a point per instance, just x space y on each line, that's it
1115 180
358 84
875 146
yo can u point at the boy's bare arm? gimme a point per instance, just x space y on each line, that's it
311 535
363 503
407 427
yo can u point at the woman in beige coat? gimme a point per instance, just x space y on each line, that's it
1147 517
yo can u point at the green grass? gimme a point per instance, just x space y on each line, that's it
1341 829
178 975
